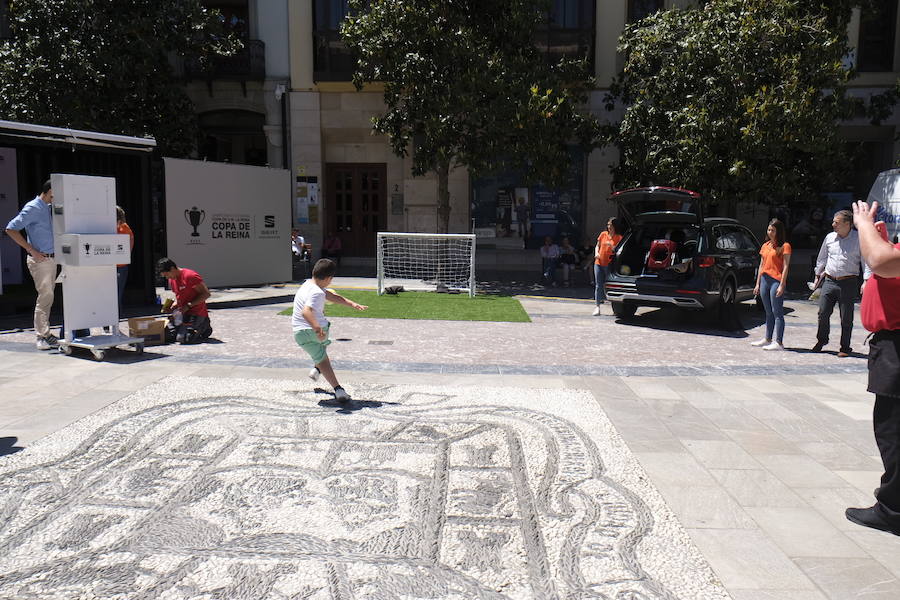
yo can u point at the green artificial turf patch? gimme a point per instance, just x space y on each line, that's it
428 305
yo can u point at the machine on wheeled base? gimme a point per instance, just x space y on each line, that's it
88 248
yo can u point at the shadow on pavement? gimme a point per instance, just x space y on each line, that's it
699 322
251 302
534 288
350 407
833 353
117 356
8 445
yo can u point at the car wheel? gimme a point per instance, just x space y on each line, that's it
728 295
727 305
623 310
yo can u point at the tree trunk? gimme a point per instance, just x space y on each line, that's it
443 205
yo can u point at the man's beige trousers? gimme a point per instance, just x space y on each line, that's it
44 275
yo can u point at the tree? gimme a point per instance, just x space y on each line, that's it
106 66
740 99
465 84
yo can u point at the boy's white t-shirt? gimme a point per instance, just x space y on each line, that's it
312 295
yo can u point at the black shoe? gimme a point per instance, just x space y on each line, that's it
870 517
818 347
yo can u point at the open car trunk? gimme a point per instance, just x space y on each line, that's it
659 250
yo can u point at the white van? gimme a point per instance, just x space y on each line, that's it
886 191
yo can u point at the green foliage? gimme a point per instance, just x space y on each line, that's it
465 83
105 65
428 305
740 100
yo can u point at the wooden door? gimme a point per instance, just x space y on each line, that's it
356 205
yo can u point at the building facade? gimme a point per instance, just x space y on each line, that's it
351 183
241 100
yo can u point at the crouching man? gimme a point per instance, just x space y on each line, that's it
189 314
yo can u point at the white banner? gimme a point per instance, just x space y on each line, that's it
10 252
230 223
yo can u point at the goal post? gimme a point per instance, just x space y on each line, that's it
426 261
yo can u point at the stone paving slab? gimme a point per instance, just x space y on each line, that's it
269 489
567 342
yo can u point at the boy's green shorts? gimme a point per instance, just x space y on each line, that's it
306 339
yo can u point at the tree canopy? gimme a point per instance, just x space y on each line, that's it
106 66
465 85
739 99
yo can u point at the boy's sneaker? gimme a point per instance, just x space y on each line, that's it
341 395
596 312
314 373
773 346
762 342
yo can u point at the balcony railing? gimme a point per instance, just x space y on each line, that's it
335 62
566 43
247 64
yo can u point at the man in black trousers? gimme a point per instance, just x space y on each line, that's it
881 315
837 270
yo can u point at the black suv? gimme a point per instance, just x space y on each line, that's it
672 256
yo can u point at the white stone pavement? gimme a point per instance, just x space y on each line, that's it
757 468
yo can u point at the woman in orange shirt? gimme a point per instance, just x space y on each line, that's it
122 270
775 258
603 253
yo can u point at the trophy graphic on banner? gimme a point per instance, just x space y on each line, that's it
194 218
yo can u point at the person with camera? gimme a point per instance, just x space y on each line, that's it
880 313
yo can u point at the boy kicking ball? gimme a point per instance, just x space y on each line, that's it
311 326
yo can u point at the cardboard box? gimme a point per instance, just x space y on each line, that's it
152 329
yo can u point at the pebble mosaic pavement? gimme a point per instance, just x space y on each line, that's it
249 489
113 544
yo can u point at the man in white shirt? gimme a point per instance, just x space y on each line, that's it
837 269
298 244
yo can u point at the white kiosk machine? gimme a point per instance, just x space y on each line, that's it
88 248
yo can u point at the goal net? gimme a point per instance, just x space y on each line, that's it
426 261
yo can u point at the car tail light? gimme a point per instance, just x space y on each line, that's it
705 261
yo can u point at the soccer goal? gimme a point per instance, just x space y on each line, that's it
426 261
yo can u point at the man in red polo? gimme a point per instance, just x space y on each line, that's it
191 318
881 315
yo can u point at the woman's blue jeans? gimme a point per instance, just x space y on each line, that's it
774 305
121 278
600 274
